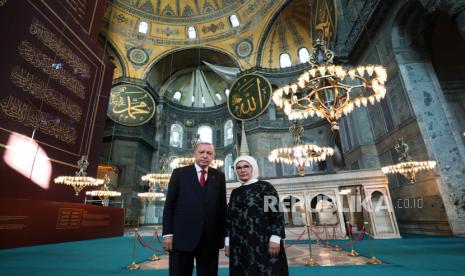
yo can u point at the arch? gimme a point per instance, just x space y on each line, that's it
170 159
234 20
266 32
381 216
292 203
111 46
176 133
206 133
177 96
285 60
409 22
229 167
324 209
303 54
143 27
191 32
166 58
228 132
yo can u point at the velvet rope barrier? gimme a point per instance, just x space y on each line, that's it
147 244
288 245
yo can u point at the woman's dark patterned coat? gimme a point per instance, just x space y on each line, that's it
250 227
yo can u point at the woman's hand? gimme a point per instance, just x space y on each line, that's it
273 249
226 251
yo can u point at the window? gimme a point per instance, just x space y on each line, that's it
206 134
229 167
234 21
226 92
191 33
284 60
143 27
203 99
218 96
176 136
228 133
303 55
170 160
177 96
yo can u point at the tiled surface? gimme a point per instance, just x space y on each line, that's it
297 255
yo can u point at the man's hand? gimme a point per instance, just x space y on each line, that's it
226 251
168 243
273 249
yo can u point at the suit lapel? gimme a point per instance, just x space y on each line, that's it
210 184
195 180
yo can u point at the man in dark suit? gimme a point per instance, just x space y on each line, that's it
194 218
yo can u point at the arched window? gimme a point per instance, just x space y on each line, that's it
177 96
176 136
143 27
226 92
206 134
170 160
229 167
304 55
234 21
284 60
191 33
228 133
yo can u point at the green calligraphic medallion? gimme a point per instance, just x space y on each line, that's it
249 97
130 105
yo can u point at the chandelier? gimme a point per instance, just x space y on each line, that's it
187 160
162 178
80 180
104 193
300 155
408 168
151 195
329 91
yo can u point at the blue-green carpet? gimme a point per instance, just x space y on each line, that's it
411 255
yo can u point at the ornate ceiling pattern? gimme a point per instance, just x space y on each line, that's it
296 26
290 32
186 11
266 30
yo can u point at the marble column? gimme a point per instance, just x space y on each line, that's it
442 140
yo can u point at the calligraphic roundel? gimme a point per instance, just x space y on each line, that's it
249 97
130 105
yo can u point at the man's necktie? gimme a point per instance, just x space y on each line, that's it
202 178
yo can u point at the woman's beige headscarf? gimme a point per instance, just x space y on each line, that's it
253 163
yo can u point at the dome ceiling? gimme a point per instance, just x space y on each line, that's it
197 88
289 32
186 73
163 10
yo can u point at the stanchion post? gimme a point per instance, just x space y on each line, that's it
154 257
373 260
352 253
317 238
336 246
326 236
311 261
133 265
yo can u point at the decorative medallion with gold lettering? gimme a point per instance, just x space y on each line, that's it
249 97
130 105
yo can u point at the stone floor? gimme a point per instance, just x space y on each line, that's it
297 254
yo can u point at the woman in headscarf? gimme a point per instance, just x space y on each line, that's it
255 225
